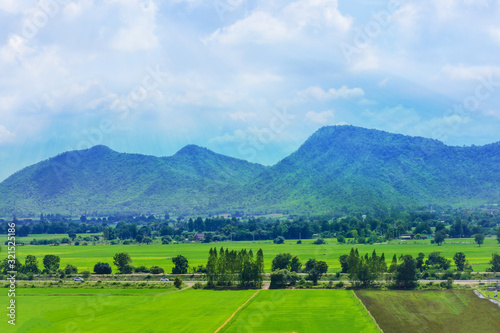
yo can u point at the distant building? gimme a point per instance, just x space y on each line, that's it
198 237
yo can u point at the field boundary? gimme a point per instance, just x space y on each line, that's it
237 310
368 312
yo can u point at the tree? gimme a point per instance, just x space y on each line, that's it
420 261
495 263
30 264
279 240
437 261
70 269
498 235
344 263
72 235
102 268
122 262
319 241
439 237
147 240
318 268
282 278
295 264
156 270
281 261
178 282
51 263
479 239
180 265
459 259
341 239
406 275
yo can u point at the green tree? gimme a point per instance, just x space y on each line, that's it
156 270
279 240
72 235
70 269
295 264
315 269
498 235
178 282
180 265
439 237
437 261
495 263
281 261
406 275
420 261
102 268
51 263
479 239
282 278
122 261
459 259
344 264
30 264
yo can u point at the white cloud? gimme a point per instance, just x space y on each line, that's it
495 34
469 72
5 135
139 30
15 49
242 116
16 6
320 117
263 27
318 93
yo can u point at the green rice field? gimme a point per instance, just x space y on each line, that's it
85 257
303 311
56 310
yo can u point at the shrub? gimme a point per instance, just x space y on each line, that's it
279 240
85 274
198 285
339 285
70 269
102 268
156 270
319 241
178 282
299 242
141 269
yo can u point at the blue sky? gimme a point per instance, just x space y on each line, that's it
249 79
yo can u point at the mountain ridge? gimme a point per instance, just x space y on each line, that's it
338 168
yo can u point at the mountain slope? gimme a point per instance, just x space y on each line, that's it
100 179
339 168
359 169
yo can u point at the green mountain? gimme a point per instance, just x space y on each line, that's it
339 168
355 169
100 179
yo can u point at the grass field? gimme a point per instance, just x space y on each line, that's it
136 311
302 311
431 311
85 257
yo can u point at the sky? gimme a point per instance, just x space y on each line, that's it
248 79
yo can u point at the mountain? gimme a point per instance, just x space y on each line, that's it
357 169
100 179
339 168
